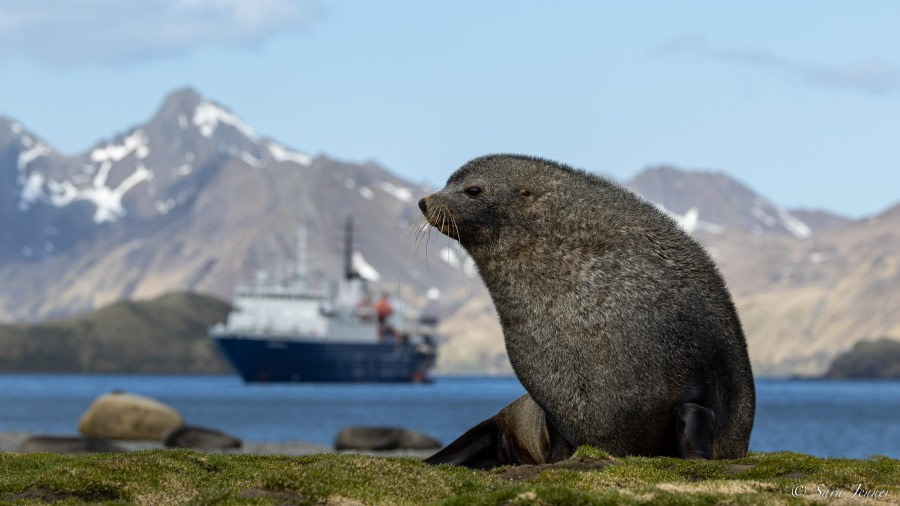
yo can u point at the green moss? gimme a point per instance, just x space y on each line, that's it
590 477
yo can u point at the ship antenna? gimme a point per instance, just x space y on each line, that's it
302 232
349 272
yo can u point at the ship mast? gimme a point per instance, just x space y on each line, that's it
302 257
349 272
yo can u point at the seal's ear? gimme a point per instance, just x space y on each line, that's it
476 449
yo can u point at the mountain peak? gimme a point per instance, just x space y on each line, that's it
183 99
715 201
187 108
12 128
180 103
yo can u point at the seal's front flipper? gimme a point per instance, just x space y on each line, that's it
477 448
695 430
520 434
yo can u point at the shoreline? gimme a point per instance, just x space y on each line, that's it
10 441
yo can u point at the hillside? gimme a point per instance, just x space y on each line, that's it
163 335
868 360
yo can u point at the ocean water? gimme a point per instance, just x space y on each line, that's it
824 418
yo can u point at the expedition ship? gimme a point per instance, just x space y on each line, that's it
294 332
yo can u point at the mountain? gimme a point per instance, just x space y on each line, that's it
164 335
713 202
194 199
803 302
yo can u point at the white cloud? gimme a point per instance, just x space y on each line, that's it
875 77
116 32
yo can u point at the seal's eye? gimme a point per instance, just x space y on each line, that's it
473 191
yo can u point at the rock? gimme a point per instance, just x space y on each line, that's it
120 415
67 444
200 438
383 438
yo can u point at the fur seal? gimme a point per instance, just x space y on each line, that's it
517 435
617 323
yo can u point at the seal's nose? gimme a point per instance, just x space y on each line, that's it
422 205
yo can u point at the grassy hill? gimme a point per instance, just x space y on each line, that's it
868 359
163 335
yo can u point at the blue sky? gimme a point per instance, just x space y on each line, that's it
800 100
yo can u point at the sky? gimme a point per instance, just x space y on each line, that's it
798 100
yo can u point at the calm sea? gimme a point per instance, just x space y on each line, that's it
824 418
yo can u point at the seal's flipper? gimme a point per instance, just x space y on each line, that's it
477 448
695 430
558 448
520 434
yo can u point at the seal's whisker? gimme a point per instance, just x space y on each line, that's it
411 248
412 227
422 227
462 263
431 219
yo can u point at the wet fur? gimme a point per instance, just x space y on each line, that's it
617 322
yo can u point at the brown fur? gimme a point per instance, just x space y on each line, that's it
616 321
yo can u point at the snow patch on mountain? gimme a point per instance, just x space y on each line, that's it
61 194
690 221
400 193
364 268
135 143
458 259
102 174
796 227
283 154
250 159
208 116
163 207
34 152
32 190
760 214
790 222
108 201
366 192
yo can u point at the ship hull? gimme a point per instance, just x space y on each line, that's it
273 360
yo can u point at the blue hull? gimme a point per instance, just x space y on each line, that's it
261 360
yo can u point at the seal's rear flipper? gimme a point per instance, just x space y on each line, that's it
695 430
477 448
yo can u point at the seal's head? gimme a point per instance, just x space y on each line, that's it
489 195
